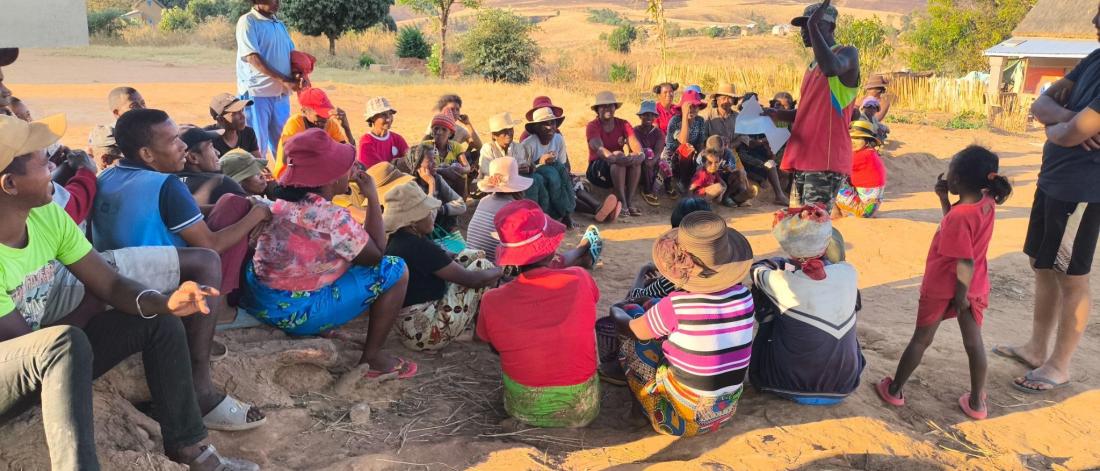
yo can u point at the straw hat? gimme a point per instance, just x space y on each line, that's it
727 89
18 137
526 234
703 255
504 177
377 106
876 81
606 98
386 177
405 205
502 121
542 115
863 129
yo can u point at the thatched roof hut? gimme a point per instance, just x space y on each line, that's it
1062 19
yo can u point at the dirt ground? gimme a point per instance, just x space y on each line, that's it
448 417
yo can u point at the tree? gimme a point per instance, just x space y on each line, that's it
500 47
411 44
871 37
333 18
951 36
440 12
200 10
175 19
619 40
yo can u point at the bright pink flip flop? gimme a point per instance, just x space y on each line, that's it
964 403
883 390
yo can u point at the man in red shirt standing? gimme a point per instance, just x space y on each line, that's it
819 153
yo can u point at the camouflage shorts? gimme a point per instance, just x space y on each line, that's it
815 187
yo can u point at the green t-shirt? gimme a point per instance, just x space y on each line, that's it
26 274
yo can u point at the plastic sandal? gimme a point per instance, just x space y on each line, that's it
964 403
651 199
221 463
595 243
404 369
231 415
883 390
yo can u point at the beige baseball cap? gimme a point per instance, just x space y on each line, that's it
18 137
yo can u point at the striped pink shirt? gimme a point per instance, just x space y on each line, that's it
709 337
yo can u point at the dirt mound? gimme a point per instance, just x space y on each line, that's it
912 172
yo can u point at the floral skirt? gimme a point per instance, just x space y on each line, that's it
859 202
553 406
313 312
432 325
672 409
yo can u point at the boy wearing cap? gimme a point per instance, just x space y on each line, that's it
317 112
228 113
246 170
806 348
55 365
819 152
652 139
381 144
541 324
140 203
202 170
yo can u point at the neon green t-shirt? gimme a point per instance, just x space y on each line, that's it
26 274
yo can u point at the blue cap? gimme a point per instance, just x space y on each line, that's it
648 106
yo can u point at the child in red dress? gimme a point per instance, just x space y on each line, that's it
956 279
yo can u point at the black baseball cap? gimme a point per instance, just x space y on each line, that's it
193 136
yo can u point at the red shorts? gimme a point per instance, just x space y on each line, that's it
931 311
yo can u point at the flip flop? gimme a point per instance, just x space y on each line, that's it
595 243
1036 379
634 211
404 369
883 390
616 212
1010 353
218 351
231 415
964 403
607 209
220 463
651 199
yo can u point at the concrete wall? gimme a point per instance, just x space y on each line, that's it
43 23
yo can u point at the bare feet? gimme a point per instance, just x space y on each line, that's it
1024 354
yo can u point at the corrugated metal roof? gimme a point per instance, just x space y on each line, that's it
1044 47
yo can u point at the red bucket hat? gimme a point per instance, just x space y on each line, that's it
526 233
544 102
314 159
692 97
316 100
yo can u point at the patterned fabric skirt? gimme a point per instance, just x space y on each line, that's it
313 312
859 202
553 406
432 325
672 409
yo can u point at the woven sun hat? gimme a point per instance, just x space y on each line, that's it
504 177
377 106
526 234
703 255
606 98
405 205
727 89
502 121
542 115
386 177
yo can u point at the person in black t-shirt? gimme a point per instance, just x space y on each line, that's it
228 113
202 171
1064 226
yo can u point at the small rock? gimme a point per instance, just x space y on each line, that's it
360 413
